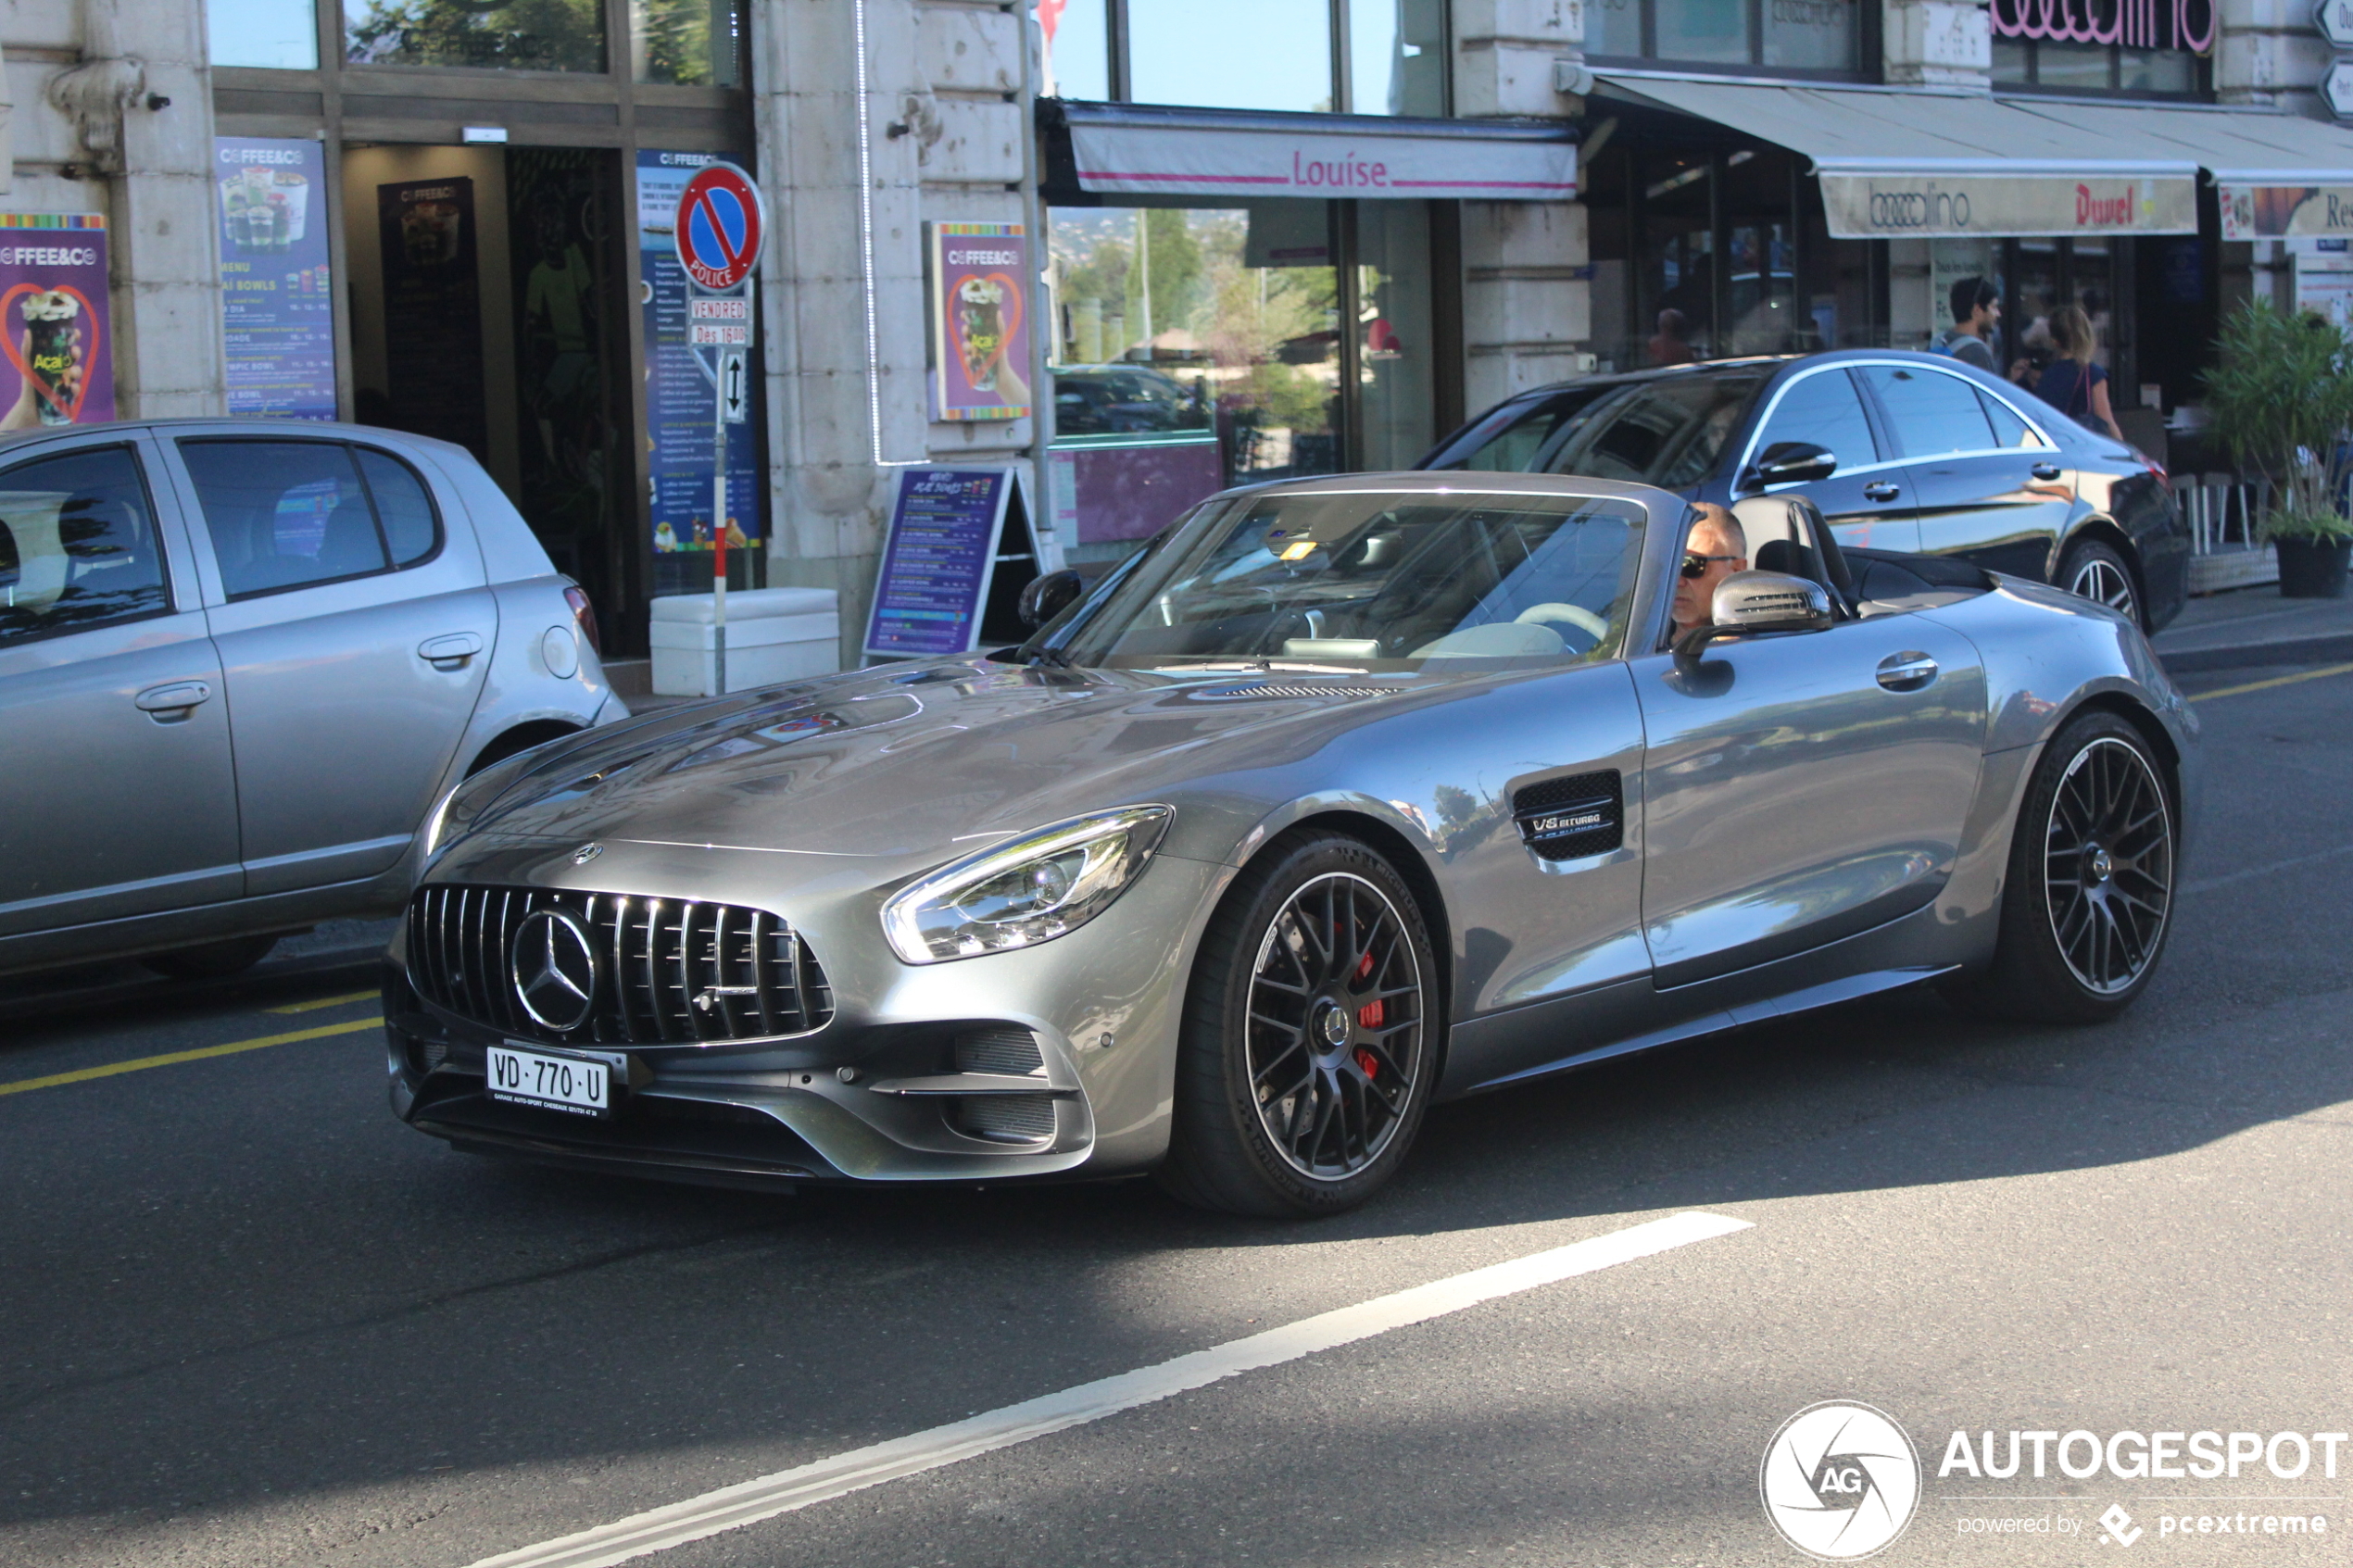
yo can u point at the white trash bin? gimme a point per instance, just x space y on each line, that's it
773 635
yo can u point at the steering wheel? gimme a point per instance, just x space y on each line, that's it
1584 619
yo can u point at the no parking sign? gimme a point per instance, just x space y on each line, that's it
721 227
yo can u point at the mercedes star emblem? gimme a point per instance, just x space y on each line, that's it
586 853
554 969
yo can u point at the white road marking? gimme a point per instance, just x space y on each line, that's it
749 1502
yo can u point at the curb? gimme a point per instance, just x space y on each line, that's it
2333 649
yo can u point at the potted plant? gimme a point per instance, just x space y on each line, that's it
2281 398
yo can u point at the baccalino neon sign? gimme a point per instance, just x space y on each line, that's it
2137 24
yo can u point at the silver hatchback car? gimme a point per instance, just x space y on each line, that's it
238 661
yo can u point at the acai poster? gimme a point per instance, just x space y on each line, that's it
432 311
277 302
681 397
54 325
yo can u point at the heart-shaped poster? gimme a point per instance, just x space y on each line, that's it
45 368
983 318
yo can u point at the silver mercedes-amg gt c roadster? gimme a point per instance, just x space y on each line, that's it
1342 797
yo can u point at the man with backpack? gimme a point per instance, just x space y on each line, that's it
1976 307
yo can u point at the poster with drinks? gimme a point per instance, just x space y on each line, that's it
54 324
980 320
427 239
681 398
277 302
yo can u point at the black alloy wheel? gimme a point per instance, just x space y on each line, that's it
2090 895
2094 571
1310 1042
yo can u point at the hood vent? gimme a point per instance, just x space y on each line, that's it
1267 691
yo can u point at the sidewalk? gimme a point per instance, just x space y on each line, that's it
2249 627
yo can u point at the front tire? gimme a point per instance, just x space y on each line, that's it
2089 901
1311 1038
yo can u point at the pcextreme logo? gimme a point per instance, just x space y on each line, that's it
1840 1481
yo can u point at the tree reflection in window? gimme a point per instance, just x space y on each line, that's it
689 42
505 34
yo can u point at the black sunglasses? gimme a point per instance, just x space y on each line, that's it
1695 564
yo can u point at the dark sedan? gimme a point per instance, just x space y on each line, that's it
1913 452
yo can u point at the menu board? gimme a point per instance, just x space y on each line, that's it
681 395
427 234
277 300
54 325
937 564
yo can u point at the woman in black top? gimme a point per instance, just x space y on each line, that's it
2073 384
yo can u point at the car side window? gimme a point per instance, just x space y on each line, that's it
1824 410
284 514
1517 434
403 505
1933 413
2009 431
77 545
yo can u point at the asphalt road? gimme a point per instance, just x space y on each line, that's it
249 1318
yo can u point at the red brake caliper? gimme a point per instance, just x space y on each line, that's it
1369 1016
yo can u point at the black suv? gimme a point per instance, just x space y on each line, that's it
1912 452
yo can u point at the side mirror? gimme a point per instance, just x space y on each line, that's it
1759 601
1795 462
1042 599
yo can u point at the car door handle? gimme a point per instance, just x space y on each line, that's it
450 652
174 701
1880 490
2044 470
1907 672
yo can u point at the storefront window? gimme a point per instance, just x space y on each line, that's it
1396 334
272 35
520 35
1810 34
1075 38
1794 35
1703 30
1397 56
688 43
1275 54
1219 320
1231 53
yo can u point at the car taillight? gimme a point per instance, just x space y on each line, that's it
586 614
2163 479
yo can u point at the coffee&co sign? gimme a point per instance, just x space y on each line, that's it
1872 207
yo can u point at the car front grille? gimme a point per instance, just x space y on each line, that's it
667 971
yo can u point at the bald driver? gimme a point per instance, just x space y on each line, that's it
1717 547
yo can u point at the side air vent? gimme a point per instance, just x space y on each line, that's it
1007 1118
1568 818
1007 1051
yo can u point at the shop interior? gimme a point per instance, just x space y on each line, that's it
489 307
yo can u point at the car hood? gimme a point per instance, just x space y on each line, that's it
931 760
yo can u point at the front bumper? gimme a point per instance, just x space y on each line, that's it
876 1094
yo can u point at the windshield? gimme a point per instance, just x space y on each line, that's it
1667 432
1374 579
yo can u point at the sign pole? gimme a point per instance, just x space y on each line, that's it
722 225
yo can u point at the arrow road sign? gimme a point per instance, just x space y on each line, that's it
735 388
2335 19
720 227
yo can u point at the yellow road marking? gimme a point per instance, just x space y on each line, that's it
367 996
2275 680
85 1075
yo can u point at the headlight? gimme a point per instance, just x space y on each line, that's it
1029 891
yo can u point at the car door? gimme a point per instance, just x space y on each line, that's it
1991 486
354 635
1801 787
1868 499
118 796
